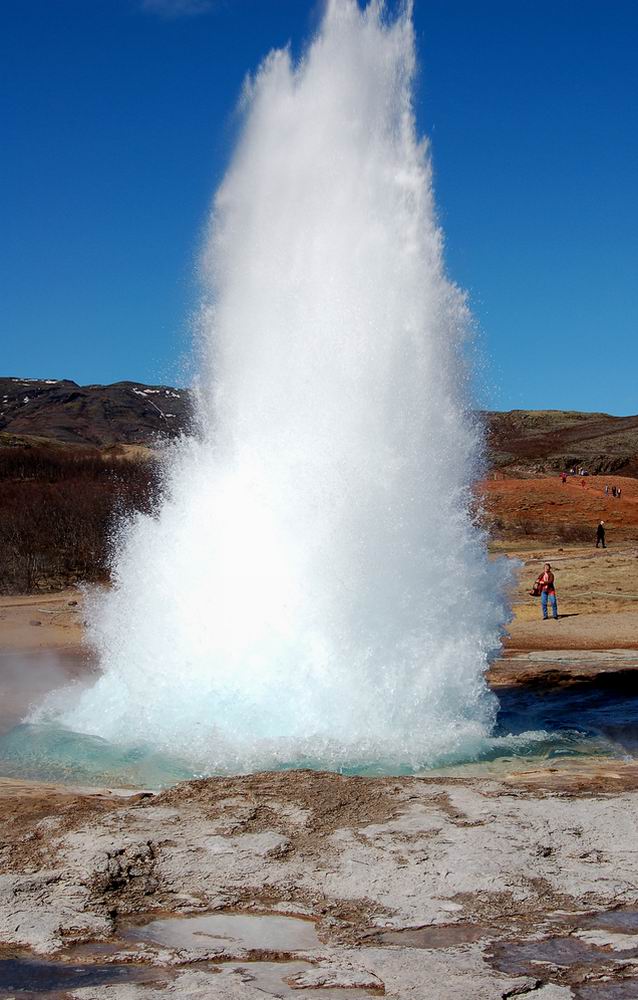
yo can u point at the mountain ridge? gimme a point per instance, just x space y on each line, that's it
520 442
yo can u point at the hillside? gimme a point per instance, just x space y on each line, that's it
536 442
545 508
99 415
521 442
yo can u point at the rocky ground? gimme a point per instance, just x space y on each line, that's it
442 888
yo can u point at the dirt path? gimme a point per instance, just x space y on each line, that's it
597 593
34 622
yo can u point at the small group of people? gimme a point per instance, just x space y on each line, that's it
581 472
573 472
616 491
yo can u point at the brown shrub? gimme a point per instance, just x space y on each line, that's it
575 532
58 511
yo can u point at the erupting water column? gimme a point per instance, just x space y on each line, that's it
313 588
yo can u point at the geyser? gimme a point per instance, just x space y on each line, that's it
312 588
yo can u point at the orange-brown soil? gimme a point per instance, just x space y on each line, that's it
518 509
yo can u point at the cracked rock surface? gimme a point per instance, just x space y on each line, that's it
418 887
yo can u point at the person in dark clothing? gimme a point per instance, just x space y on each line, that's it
600 535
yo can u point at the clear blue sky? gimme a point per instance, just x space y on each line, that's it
118 121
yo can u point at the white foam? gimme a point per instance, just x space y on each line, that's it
313 586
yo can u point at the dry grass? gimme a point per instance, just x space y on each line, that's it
58 510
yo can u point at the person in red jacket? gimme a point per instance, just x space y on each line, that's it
548 592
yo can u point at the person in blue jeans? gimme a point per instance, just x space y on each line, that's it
548 592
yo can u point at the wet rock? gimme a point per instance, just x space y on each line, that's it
126 865
376 862
522 988
320 976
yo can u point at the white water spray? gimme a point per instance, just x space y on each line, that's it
313 587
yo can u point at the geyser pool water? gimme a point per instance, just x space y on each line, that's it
313 587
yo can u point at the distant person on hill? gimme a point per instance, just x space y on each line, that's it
600 534
618 491
613 491
548 592
606 489
563 478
